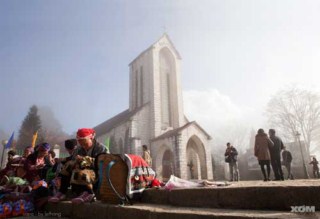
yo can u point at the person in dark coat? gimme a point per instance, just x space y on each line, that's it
275 155
231 158
261 151
315 167
286 161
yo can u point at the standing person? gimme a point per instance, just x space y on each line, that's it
315 168
261 151
286 161
84 158
231 158
147 155
275 154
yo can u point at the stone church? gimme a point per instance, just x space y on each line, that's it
156 118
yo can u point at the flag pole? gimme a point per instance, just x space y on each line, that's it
6 146
2 154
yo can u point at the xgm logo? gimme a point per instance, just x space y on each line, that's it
303 209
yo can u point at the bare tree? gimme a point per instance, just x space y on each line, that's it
295 110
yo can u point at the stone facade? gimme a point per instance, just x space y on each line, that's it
155 118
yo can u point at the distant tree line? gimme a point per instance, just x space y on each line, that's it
50 132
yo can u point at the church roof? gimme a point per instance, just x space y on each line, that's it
115 121
178 130
165 35
111 123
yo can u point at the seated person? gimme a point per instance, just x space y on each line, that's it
27 151
35 163
50 159
9 170
71 146
82 157
19 163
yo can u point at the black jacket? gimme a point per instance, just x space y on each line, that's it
278 146
231 155
286 157
96 149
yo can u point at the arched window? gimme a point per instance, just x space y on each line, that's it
167 71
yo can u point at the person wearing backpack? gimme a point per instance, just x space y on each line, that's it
231 158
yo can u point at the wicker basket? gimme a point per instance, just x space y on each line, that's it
113 178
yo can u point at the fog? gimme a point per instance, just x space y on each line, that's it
72 58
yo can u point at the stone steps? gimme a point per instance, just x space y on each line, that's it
99 210
274 195
253 199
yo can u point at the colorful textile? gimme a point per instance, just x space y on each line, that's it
16 181
5 210
19 208
29 207
87 162
38 184
141 175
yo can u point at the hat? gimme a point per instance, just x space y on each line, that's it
45 146
70 144
85 133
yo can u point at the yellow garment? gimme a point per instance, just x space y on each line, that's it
147 157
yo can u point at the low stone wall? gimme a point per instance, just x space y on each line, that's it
271 197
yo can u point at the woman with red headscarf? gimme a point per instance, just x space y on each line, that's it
84 155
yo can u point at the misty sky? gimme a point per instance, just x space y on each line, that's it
73 56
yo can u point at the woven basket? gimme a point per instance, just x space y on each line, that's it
118 177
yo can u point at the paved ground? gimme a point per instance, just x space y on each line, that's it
297 182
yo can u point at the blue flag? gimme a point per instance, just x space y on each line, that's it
8 145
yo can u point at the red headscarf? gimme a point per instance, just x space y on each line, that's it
85 133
